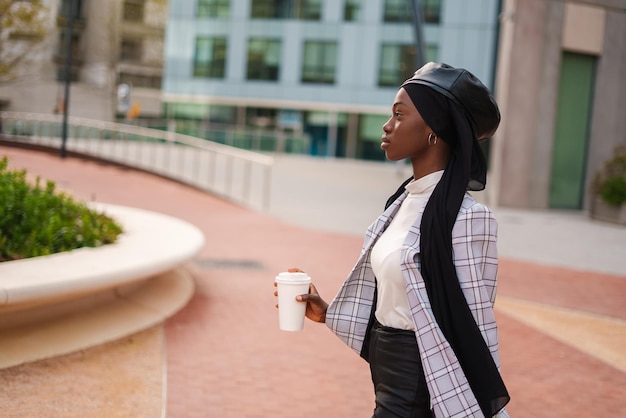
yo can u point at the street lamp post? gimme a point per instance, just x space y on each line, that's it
418 24
71 11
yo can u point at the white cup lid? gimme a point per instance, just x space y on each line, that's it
288 277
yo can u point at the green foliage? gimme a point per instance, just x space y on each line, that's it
613 191
37 220
610 183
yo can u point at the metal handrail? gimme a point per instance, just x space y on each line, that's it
217 168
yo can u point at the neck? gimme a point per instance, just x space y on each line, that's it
423 168
435 159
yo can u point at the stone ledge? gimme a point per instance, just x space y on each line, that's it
56 329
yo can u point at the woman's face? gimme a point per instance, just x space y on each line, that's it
405 133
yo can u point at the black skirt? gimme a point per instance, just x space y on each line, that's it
397 374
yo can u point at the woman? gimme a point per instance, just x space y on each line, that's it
418 305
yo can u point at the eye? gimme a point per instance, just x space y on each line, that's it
397 114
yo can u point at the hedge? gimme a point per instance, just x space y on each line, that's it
38 220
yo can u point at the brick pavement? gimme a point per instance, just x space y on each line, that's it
227 358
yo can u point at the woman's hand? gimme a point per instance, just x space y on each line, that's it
315 305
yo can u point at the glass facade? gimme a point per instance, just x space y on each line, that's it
276 67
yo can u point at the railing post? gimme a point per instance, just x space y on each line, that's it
267 177
246 181
212 168
228 180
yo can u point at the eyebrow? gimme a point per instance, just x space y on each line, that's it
398 104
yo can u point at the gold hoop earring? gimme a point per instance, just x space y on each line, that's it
430 139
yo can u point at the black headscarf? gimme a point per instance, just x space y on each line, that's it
465 170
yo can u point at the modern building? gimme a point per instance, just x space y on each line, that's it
114 42
325 70
562 93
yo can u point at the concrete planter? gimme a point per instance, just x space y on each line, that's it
65 302
602 211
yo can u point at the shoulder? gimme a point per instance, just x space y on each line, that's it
471 209
474 218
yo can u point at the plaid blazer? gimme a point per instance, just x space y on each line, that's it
476 261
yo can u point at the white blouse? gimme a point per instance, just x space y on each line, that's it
392 305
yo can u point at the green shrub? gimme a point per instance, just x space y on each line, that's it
610 182
36 220
613 191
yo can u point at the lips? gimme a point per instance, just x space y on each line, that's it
385 143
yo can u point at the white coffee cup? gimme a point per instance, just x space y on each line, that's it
290 311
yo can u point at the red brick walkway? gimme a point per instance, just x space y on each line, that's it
227 358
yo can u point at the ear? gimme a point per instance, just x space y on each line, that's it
428 130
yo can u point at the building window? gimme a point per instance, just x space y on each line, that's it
213 8
319 62
308 9
398 11
286 9
133 10
130 50
263 59
431 10
265 9
210 57
352 10
402 11
397 64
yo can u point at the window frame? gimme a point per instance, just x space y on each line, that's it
401 11
286 9
431 11
213 9
352 10
322 72
214 67
397 11
263 72
405 64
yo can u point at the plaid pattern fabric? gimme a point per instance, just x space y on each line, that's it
475 257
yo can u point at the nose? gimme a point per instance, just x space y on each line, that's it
387 126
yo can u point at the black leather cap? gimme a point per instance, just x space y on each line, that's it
462 87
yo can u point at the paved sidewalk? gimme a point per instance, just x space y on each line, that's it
562 329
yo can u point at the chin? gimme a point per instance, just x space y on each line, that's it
392 157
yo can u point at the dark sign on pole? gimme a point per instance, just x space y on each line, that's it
71 11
